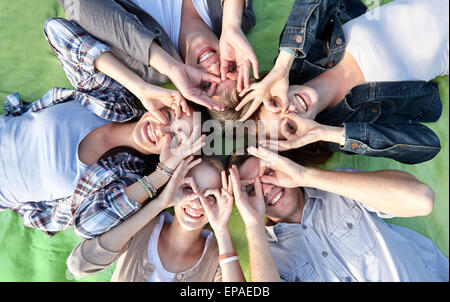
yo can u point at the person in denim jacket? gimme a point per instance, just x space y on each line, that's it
347 82
328 225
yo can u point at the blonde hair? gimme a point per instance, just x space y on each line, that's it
230 99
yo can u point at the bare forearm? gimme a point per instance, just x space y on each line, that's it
391 192
262 264
108 64
231 271
232 13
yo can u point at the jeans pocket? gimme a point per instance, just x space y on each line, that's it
354 233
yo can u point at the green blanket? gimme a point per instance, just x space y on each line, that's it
27 65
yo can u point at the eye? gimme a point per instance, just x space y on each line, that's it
268 172
250 189
211 198
204 86
274 103
291 127
187 189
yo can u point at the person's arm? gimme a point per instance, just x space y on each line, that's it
218 216
235 50
391 192
252 210
95 254
103 207
151 96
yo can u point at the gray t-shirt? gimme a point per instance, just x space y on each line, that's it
39 153
340 239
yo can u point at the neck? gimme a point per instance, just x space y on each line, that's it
182 241
120 134
333 84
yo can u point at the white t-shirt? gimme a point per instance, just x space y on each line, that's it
402 40
168 14
160 274
39 152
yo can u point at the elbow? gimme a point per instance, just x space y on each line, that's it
425 199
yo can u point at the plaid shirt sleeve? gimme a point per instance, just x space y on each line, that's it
100 202
77 52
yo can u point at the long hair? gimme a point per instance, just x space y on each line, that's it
314 153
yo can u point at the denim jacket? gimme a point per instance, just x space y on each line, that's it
381 119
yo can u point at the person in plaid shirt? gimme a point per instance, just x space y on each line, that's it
65 177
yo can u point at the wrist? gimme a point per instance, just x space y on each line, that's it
284 61
255 228
332 134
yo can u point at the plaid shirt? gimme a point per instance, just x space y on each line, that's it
99 202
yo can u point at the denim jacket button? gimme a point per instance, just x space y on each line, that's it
299 39
355 145
374 109
338 41
331 64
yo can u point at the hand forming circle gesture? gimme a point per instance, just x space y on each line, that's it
236 52
219 212
286 173
251 208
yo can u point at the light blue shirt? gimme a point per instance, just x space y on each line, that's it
339 239
39 153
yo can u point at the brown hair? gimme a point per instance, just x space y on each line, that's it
315 153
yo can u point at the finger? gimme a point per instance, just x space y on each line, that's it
230 185
211 90
200 143
207 102
205 204
275 146
258 188
177 110
208 77
223 175
264 154
253 86
284 102
254 62
246 74
248 98
190 181
160 117
215 193
240 79
269 180
223 69
253 107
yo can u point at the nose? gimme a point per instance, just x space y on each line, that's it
196 204
214 69
267 188
292 108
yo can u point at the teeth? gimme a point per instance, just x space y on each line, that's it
205 56
277 197
149 132
302 102
193 214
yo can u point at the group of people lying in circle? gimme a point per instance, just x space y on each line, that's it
111 156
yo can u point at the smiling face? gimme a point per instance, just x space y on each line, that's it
282 204
190 213
149 135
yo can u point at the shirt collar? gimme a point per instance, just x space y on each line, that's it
310 193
